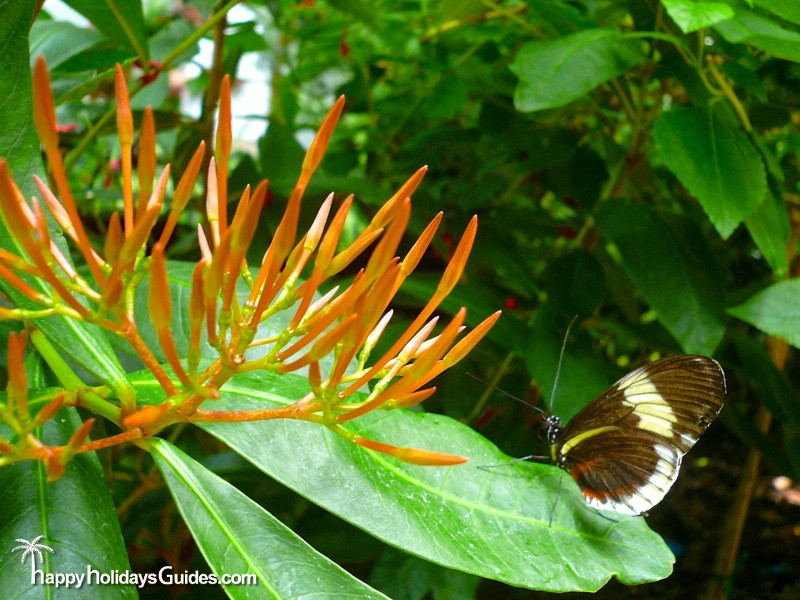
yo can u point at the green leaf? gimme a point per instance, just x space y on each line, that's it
75 514
770 229
786 9
661 267
691 16
555 72
715 162
121 21
19 144
402 576
59 41
493 524
774 310
236 535
752 29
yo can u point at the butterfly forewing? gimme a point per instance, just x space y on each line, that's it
624 449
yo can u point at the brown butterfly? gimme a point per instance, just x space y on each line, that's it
624 449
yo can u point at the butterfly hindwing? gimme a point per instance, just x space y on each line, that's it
624 449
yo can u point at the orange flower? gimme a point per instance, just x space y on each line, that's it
345 323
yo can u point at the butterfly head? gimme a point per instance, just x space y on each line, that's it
551 425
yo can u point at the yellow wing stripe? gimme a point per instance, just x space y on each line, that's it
574 441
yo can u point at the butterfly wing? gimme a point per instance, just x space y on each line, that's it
624 449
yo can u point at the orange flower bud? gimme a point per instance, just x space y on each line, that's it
146 166
44 112
320 144
124 116
79 437
146 416
456 266
159 299
49 410
183 191
384 251
113 241
17 387
414 456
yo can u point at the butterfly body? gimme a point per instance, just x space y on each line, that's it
624 449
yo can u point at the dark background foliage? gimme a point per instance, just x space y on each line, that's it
634 163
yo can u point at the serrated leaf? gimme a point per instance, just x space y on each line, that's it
715 162
749 28
121 21
774 310
493 524
688 306
691 16
75 514
555 72
236 535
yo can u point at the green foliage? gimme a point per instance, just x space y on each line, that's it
622 170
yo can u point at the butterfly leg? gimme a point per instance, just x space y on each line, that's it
516 460
558 494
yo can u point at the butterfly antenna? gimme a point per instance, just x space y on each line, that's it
560 360
505 393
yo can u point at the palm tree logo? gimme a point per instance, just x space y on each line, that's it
34 549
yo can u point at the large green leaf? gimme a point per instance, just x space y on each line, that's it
749 28
715 162
661 266
691 16
555 72
490 523
75 514
774 310
121 21
236 535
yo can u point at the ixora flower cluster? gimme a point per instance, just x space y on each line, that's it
344 324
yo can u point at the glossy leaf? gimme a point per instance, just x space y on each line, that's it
654 260
19 144
691 16
121 21
555 72
236 535
75 514
715 162
489 523
774 310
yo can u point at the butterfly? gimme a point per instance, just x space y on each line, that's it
624 449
